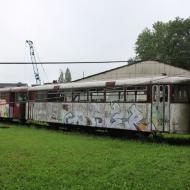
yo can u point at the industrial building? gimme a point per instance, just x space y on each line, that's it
140 69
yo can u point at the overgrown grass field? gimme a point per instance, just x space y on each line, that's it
45 159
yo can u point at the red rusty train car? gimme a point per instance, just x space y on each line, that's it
13 103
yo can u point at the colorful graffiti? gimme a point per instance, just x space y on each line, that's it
132 118
65 115
160 115
110 115
4 109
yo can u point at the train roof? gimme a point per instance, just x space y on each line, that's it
95 84
128 81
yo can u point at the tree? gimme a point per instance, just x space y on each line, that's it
166 42
61 77
132 60
68 75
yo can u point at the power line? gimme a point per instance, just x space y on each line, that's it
89 62
62 62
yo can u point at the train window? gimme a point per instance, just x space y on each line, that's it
83 96
136 94
41 96
141 88
76 96
80 96
5 96
32 96
61 97
161 93
141 93
65 96
180 94
154 96
97 95
115 95
141 96
52 96
130 96
166 94
20 97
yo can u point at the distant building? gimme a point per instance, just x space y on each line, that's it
5 85
140 69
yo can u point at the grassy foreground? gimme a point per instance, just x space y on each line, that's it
41 159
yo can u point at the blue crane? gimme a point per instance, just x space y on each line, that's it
34 64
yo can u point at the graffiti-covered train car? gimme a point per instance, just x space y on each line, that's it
139 104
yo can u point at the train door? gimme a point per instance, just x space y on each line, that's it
161 107
19 106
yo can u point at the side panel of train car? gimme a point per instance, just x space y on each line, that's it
105 115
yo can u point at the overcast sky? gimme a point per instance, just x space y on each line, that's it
76 30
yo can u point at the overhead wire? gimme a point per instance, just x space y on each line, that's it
64 62
93 62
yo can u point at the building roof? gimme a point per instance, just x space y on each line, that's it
171 70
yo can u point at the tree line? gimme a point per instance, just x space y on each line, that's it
167 42
64 77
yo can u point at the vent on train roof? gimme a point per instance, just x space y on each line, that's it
110 84
56 87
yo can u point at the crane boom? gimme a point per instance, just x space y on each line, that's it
33 59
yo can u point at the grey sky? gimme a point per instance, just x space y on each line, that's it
76 30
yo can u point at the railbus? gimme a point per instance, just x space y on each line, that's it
138 104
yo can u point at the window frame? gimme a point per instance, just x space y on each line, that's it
78 93
64 98
136 89
117 89
96 90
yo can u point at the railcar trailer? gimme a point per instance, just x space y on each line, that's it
136 104
13 103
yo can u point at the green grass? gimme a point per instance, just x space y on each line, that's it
42 159
176 136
